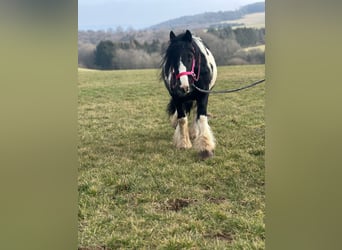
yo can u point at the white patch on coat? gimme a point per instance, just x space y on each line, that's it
211 64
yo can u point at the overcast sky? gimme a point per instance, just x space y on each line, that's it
104 14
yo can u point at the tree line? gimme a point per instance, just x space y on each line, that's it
142 49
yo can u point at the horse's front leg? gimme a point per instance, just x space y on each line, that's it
181 137
204 140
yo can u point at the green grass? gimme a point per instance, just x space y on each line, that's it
137 191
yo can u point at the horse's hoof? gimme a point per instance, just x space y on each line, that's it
206 154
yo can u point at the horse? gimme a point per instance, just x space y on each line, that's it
186 62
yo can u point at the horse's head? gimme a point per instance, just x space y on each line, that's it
180 64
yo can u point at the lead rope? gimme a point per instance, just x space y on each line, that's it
227 90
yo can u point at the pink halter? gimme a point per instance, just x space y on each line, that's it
192 72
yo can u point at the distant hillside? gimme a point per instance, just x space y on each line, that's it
210 19
234 37
254 20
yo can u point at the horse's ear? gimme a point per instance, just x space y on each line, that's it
172 35
188 36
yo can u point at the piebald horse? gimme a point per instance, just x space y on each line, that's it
187 61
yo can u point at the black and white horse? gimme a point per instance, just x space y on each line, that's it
187 62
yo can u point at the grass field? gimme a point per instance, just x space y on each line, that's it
137 191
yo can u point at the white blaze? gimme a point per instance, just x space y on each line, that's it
184 80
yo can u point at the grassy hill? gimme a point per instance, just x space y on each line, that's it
255 20
212 19
137 191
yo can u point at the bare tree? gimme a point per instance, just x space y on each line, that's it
86 56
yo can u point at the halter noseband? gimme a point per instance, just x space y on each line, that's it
192 72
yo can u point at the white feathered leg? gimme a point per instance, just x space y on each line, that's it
181 137
204 140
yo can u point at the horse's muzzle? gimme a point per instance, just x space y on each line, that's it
181 92
186 89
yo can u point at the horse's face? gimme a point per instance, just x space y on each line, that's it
182 64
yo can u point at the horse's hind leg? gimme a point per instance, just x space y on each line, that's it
204 140
174 119
172 111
